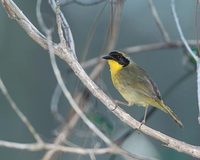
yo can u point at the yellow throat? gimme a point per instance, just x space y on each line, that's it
114 66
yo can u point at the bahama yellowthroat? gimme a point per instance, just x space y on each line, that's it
135 85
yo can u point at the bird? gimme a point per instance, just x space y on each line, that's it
135 85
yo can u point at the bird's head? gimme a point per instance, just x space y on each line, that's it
117 60
118 57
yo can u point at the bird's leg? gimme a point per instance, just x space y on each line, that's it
145 115
144 119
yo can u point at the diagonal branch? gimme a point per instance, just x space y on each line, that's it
181 32
71 100
19 113
97 92
196 58
67 93
158 21
65 27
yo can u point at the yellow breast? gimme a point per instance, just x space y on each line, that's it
114 67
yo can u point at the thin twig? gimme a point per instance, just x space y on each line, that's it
63 43
197 26
141 48
73 103
116 12
19 113
99 67
61 137
181 32
157 46
196 58
92 3
97 92
198 88
158 21
69 97
71 100
60 31
35 147
92 32
123 116
66 129
92 156
54 104
66 28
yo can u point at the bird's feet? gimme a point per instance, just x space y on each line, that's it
141 123
114 107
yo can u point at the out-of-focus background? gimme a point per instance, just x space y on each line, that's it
26 71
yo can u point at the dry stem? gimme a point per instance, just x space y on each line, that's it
67 56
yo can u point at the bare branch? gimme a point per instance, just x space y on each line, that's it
158 21
35 147
196 58
19 113
61 137
97 92
69 97
66 28
60 31
141 48
198 88
82 3
67 127
54 104
67 93
75 106
181 32
157 46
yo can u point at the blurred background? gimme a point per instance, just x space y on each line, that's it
26 70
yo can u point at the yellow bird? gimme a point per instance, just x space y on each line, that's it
135 85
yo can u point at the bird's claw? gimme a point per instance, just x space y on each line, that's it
141 123
114 107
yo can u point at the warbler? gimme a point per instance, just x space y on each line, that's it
134 84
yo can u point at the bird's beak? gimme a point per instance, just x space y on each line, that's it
107 57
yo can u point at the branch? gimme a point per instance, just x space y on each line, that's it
181 32
157 46
196 58
92 3
97 92
114 27
158 21
19 113
140 48
66 28
71 100
67 93
35 147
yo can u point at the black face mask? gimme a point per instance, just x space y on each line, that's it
117 56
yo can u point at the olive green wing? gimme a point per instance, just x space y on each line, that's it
143 83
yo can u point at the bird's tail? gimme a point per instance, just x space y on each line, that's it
166 109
